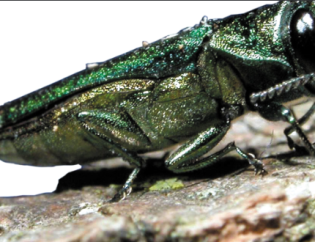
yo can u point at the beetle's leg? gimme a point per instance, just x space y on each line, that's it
277 112
301 121
111 127
278 90
186 157
126 189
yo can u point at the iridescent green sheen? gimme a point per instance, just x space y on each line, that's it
168 56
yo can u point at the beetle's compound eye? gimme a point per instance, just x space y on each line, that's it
303 39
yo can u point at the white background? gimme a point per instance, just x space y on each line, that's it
42 42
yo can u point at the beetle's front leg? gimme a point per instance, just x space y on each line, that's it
277 112
186 157
117 128
301 121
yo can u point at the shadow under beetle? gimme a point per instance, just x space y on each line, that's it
184 87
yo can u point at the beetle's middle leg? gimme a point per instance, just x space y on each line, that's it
186 157
117 128
222 82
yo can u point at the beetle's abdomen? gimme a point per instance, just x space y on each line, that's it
63 144
57 137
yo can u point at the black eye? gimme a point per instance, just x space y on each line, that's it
303 39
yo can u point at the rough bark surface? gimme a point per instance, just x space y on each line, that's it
225 202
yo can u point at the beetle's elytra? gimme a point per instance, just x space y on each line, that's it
184 87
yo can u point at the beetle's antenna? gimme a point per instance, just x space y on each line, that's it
280 88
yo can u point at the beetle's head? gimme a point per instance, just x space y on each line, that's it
298 30
303 38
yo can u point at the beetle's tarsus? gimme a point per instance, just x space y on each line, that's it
122 194
126 189
119 196
259 168
252 160
258 165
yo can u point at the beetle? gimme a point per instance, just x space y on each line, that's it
184 87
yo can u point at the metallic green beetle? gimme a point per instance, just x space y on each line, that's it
186 87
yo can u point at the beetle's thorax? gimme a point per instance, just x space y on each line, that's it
253 47
251 52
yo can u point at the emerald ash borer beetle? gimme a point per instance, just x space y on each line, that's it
186 87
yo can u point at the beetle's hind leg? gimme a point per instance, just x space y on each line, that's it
186 158
117 128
